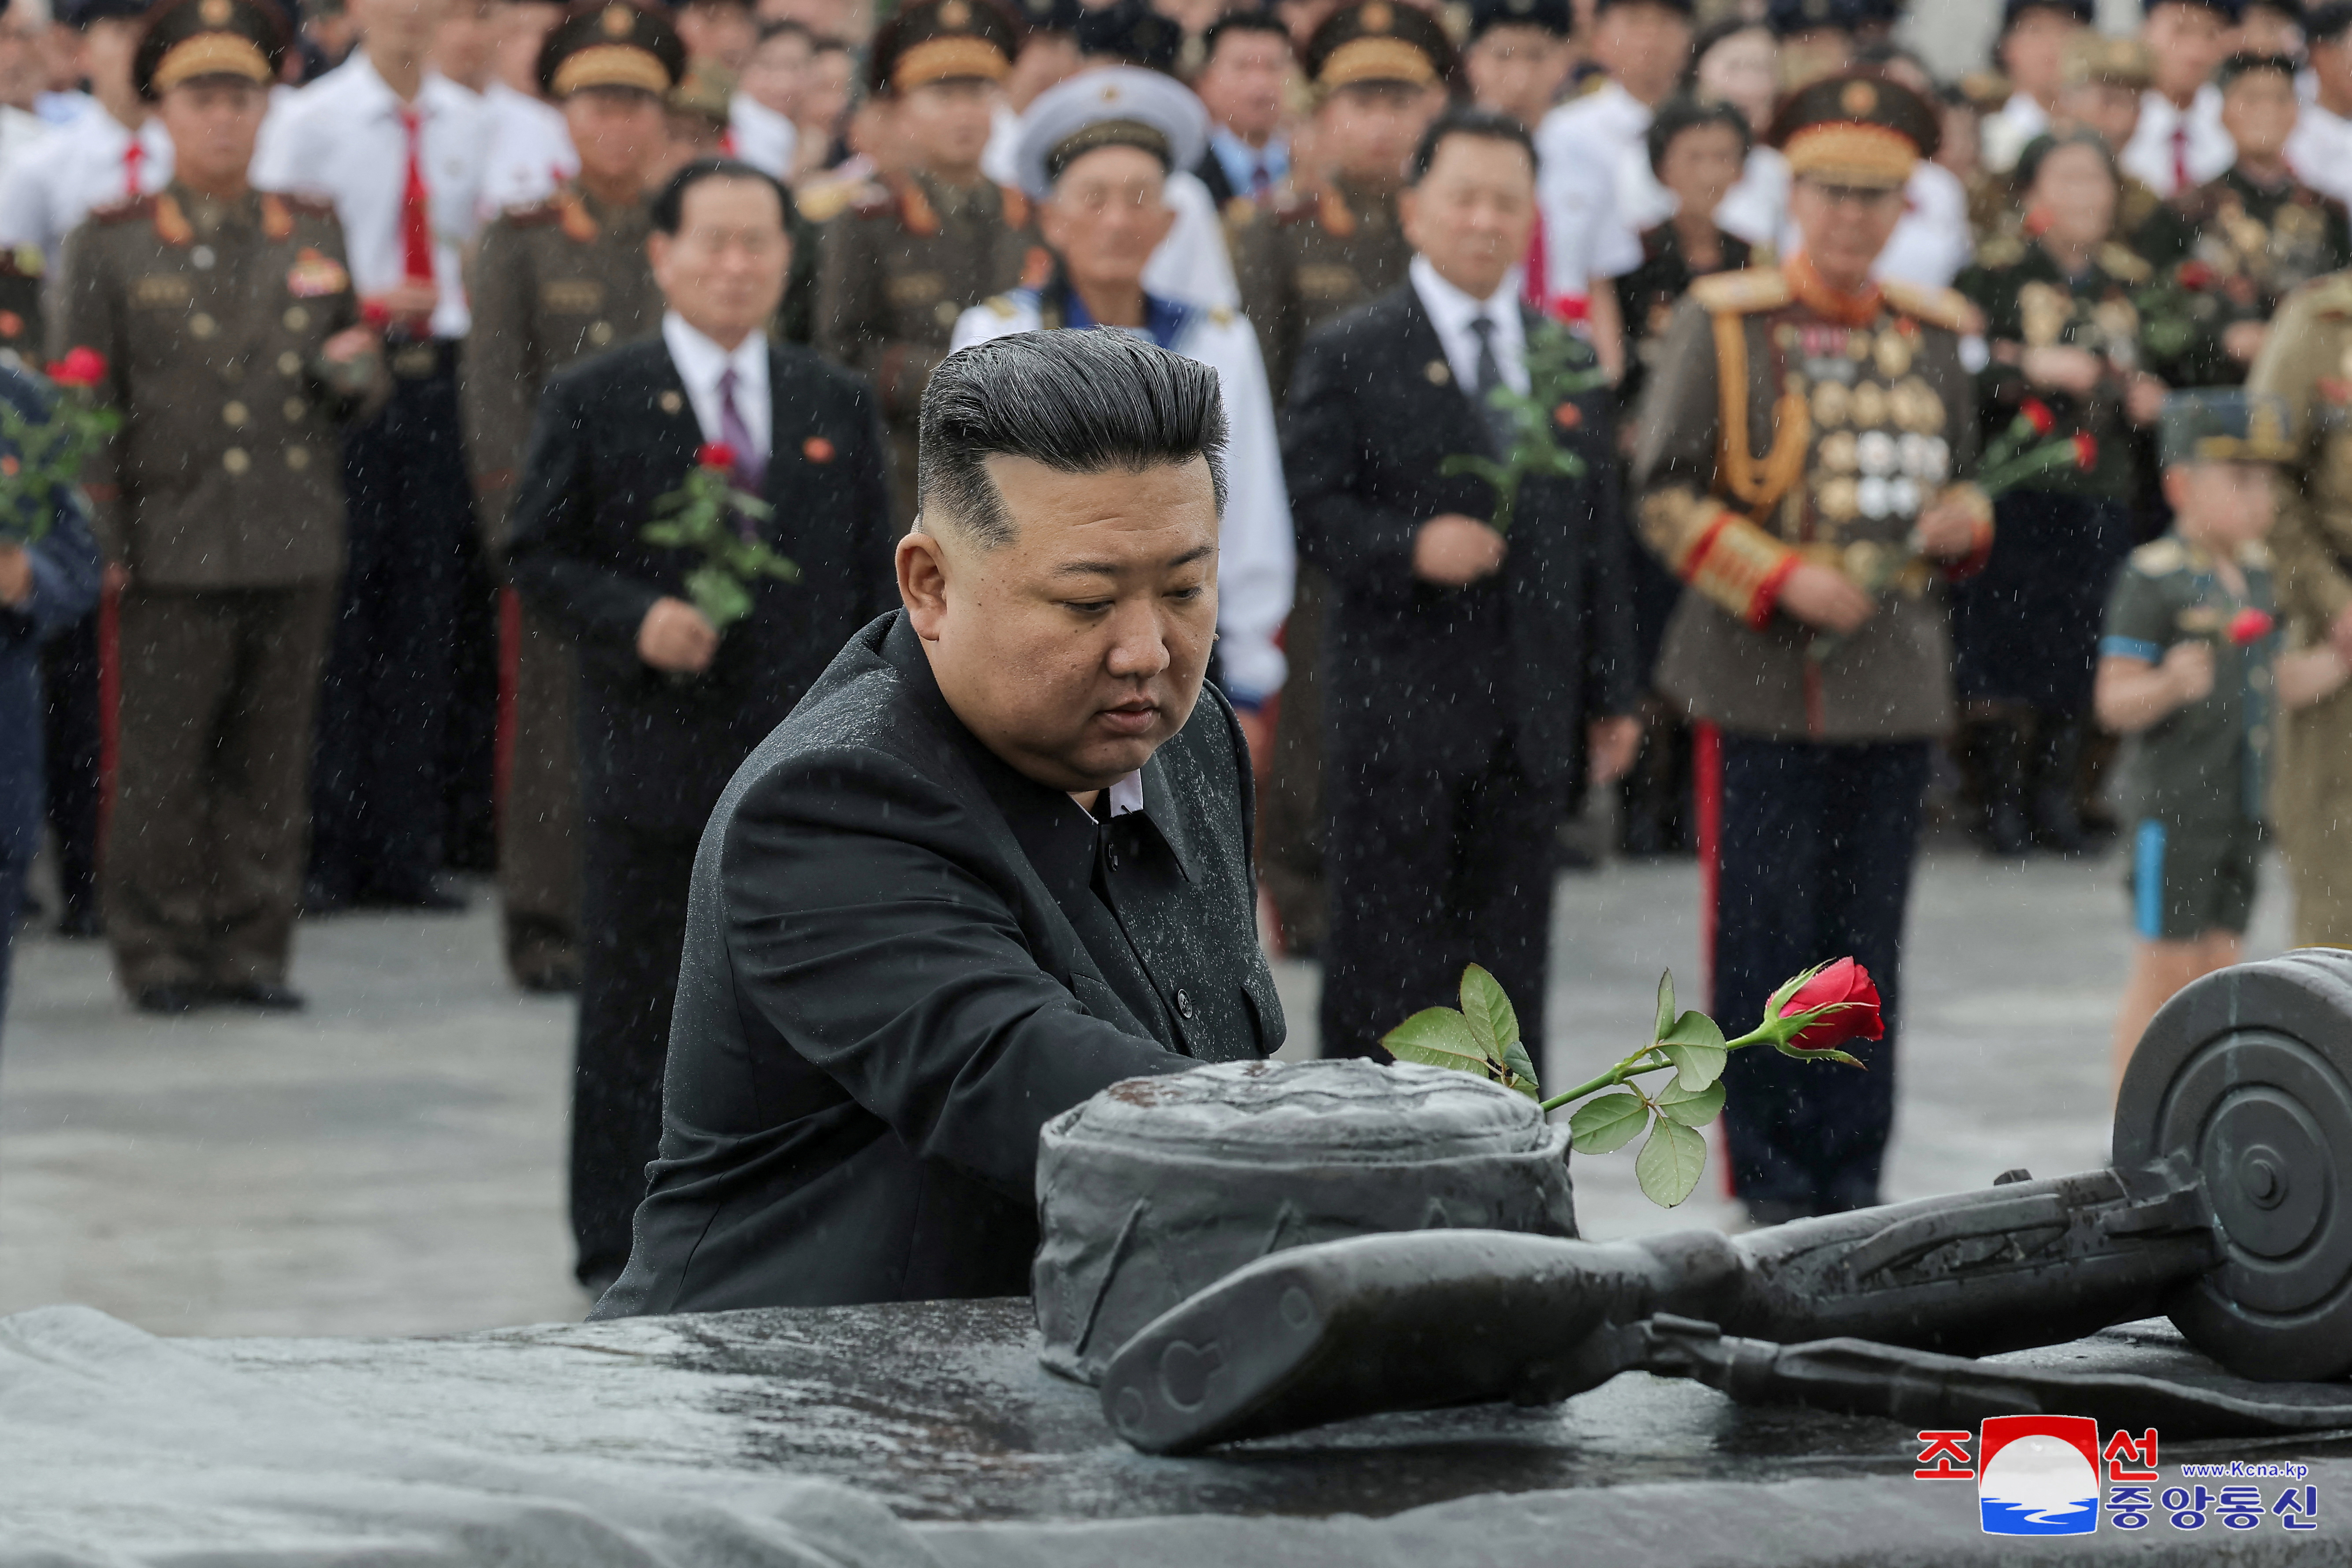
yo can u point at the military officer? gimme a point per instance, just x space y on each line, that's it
922 244
1379 71
2064 335
2248 239
235 351
554 281
1094 154
1803 445
2307 360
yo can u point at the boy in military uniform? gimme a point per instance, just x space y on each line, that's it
2307 360
925 244
1801 466
1379 71
2190 669
553 282
2246 240
235 351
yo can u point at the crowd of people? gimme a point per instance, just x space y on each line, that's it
1695 398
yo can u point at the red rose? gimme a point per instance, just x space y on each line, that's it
2086 451
716 455
80 367
2249 627
2195 275
1845 986
1567 416
2036 413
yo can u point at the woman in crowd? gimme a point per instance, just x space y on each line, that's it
2064 337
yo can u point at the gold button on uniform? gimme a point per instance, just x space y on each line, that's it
289 363
297 458
296 318
235 414
295 409
201 325
235 460
601 334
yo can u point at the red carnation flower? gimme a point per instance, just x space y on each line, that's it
1846 986
80 367
2249 627
716 455
2037 414
2195 275
2086 451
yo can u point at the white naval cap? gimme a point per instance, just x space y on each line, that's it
1121 105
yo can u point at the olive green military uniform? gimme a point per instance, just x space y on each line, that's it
2307 360
1299 264
2231 250
222 496
895 270
553 282
2191 784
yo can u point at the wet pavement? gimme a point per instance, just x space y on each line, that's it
391 1162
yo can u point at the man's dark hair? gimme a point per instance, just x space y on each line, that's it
1488 124
1239 22
669 207
1713 34
1681 113
2245 65
786 28
2327 24
1079 402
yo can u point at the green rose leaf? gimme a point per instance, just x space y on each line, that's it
1521 1071
1607 1123
1665 1006
1489 1012
1691 1108
722 600
1696 1048
1669 1164
1437 1037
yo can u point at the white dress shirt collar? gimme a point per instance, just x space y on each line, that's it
1127 793
1451 311
700 362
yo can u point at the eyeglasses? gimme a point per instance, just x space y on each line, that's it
1871 198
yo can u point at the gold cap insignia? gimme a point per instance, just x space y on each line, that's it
955 14
216 12
617 21
1858 99
1376 17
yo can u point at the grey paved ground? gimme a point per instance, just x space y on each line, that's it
392 1162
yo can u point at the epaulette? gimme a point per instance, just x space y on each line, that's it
2159 558
915 210
1016 205
2001 250
828 199
533 215
2328 296
2121 261
123 210
171 225
1238 212
1004 305
1742 293
22 261
1946 308
1220 316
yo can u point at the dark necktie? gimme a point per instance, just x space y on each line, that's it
751 460
1501 429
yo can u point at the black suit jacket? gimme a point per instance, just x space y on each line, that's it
1531 652
902 958
613 434
1212 172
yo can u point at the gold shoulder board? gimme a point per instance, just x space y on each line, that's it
1004 306
2122 261
1741 293
1946 308
2159 558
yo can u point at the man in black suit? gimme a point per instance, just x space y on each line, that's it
997 860
1475 680
669 707
1246 69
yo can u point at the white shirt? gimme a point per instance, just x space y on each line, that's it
2148 158
1452 313
763 137
701 363
2006 133
527 153
1257 559
1932 241
341 137
59 107
2320 152
1579 151
83 163
18 132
